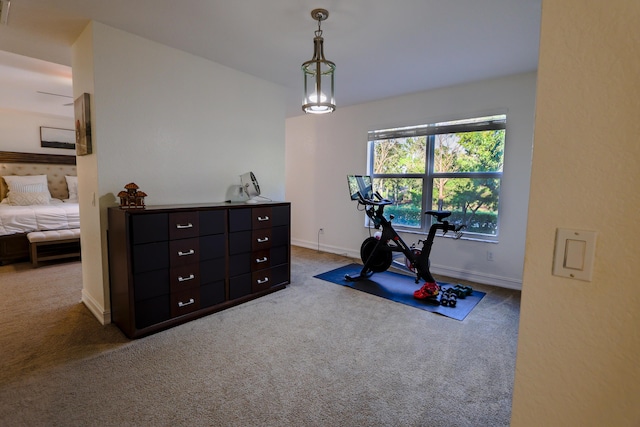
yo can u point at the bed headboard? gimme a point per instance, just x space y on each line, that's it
55 166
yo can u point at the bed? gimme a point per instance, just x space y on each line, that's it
31 212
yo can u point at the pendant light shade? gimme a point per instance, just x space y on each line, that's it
318 74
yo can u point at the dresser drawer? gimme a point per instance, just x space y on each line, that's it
280 236
149 228
185 302
279 255
239 264
185 277
212 270
261 280
239 219
183 225
239 286
261 218
213 246
240 242
212 294
261 239
269 257
260 260
151 256
264 279
152 311
281 215
183 252
150 284
280 274
213 222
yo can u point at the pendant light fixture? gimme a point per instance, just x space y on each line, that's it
318 74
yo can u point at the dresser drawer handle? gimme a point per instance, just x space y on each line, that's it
184 304
184 279
263 218
189 252
261 260
266 239
260 282
180 226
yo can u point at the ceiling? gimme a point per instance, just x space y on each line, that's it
381 48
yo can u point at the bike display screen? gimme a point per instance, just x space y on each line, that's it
360 185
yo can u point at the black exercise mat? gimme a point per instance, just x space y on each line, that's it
399 288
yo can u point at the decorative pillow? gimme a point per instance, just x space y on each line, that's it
72 186
28 199
27 183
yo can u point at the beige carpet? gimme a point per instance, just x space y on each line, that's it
313 354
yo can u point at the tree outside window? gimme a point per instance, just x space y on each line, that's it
455 166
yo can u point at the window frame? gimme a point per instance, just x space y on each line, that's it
473 124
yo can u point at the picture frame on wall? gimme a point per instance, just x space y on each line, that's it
83 125
57 138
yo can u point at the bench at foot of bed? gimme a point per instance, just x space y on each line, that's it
53 244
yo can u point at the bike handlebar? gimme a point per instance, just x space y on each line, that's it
372 202
378 218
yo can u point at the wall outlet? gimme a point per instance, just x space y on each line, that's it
321 231
489 256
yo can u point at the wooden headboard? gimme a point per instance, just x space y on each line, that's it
55 166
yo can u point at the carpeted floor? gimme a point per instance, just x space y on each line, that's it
313 354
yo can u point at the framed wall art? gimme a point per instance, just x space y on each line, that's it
57 138
83 125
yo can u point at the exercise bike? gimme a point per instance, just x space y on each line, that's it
377 251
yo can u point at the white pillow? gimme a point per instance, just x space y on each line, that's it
27 183
72 186
28 199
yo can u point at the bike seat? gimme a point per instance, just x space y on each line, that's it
440 215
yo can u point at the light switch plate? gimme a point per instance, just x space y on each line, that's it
574 254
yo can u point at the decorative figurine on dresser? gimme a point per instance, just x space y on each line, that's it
132 198
172 264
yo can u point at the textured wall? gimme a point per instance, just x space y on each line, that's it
175 124
579 341
322 150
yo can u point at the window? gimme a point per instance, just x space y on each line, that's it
454 166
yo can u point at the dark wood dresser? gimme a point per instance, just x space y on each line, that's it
172 264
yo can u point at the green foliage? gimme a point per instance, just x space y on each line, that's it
405 215
401 155
481 151
482 222
472 199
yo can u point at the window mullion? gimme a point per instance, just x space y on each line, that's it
427 182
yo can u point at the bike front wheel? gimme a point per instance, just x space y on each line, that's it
376 261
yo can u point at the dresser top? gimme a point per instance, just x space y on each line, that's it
199 206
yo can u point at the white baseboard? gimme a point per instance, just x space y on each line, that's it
103 316
473 276
326 248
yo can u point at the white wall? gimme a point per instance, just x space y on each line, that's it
181 127
322 150
21 131
579 342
